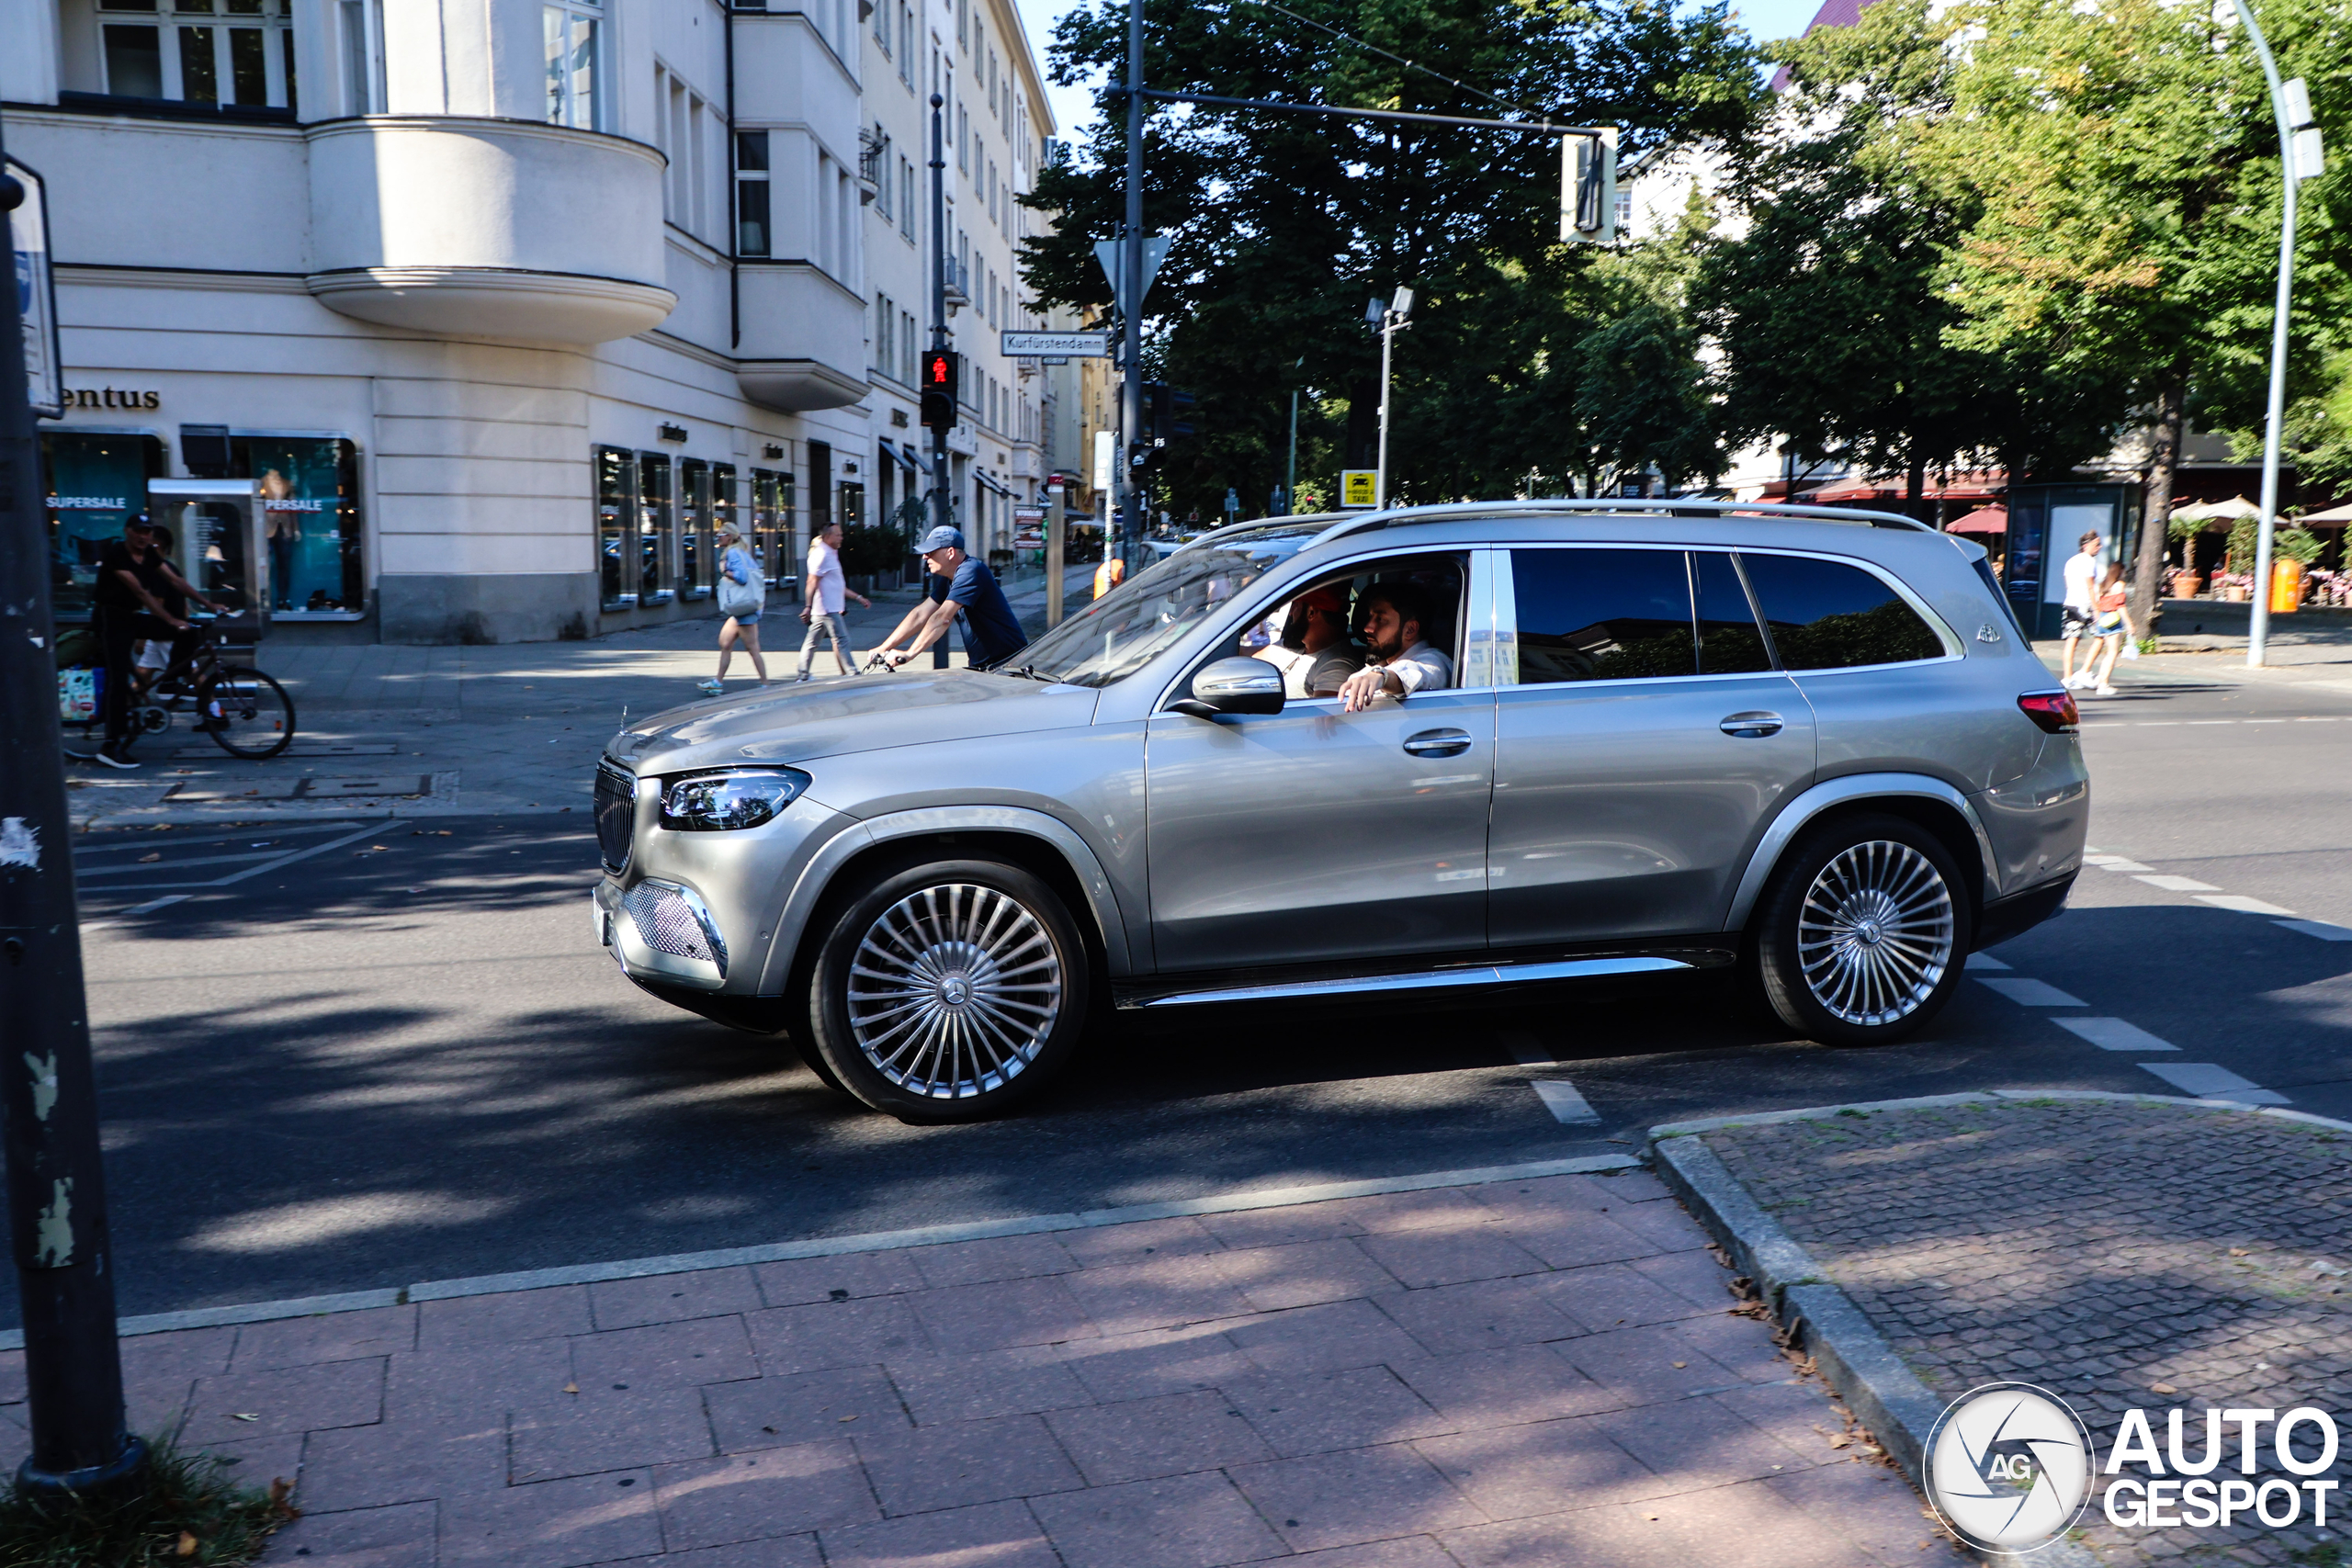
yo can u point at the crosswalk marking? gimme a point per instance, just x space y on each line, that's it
2113 1035
2207 1081
2034 993
1979 963
1564 1102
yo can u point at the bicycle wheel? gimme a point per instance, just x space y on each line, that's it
247 713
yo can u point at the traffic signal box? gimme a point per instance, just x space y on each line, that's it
943 373
1168 408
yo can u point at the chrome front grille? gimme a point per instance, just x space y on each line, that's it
667 924
616 814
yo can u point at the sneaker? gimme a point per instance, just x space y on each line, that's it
713 687
2104 690
113 758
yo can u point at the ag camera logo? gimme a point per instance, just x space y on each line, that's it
2009 1467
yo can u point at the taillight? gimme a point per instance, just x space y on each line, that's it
2054 711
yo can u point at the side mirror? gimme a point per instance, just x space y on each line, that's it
1233 685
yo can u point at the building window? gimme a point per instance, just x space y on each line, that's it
752 231
886 327
571 28
772 526
724 512
695 581
92 483
362 25
310 522
229 52
906 50
907 350
615 499
882 27
907 200
657 528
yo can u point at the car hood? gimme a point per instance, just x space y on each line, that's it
793 724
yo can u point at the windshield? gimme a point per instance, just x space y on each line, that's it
1116 635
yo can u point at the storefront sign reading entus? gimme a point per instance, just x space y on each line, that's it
2010 1468
78 398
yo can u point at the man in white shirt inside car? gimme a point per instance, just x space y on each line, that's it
1397 662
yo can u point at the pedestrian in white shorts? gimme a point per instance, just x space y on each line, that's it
822 605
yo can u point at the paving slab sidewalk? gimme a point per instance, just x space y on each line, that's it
508 728
2119 1251
1543 1373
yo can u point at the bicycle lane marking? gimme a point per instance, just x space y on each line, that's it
280 861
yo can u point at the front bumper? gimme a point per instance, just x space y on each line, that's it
660 929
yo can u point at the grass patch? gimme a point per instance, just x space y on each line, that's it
192 1512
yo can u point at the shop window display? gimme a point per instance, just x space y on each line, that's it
772 526
307 489
657 528
616 498
93 481
695 565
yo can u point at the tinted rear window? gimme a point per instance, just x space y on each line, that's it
1602 615
1827 615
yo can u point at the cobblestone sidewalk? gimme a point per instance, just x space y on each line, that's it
1535 1373
2118 1254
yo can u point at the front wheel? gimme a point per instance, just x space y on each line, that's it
949 991
1861 934
247 713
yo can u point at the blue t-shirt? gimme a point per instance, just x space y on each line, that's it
991 635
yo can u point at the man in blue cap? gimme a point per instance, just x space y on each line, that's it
991 634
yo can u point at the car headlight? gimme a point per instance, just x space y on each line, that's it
731 797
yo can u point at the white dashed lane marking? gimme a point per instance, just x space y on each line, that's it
2113 1035
1983 963
2209 1082
2318 929
2034 993
1564 1102
2178 884
2241 904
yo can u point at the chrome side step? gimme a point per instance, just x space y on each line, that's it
1488 975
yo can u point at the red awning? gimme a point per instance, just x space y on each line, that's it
1973 487
1984 520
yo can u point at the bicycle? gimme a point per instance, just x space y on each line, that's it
245 712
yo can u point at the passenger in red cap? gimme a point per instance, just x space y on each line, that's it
1315 655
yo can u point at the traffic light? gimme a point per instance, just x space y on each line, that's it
1167 406
942 374
1588 188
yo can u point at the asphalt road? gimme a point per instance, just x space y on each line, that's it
401 1057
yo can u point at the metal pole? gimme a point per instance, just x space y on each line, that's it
1054 493
2258 627
1131 314
57 1203
1380 471
941 516
1290 477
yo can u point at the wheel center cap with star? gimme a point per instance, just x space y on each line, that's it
956 990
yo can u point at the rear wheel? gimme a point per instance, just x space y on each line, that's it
247 713
1861 934
949 991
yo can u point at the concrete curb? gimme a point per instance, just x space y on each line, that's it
1883 1393
836 1247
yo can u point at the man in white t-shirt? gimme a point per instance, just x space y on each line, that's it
2075 612
822 605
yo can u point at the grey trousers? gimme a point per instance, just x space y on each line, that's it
832 625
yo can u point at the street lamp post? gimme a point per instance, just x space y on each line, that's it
1391 321
1131 310
2291 106
1290 474
56 1180
941 515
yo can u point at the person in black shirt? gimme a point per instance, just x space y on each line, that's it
136 594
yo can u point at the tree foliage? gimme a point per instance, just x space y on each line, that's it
1285 225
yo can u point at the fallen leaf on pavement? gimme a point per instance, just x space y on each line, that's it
571 1388
1679 1365
2162 1388
849 1417
1839 1439
157 855
2239 1252
186 1547
280 1489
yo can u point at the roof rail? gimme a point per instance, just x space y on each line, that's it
1224 530
1666 506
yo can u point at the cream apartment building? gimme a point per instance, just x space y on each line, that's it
504 307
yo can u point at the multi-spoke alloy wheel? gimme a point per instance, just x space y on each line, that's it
949 989
1875 935
1859 937
955 990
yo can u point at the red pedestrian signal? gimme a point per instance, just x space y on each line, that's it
940 374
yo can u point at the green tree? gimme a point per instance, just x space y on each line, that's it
1834 332
1285 225
2120 171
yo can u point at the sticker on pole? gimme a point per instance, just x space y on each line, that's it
1358 487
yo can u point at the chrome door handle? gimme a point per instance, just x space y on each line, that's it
1438 743
1751 725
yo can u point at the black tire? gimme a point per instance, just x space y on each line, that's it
972 993
1860 936
247 713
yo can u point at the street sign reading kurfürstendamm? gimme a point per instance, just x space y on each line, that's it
1080 346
